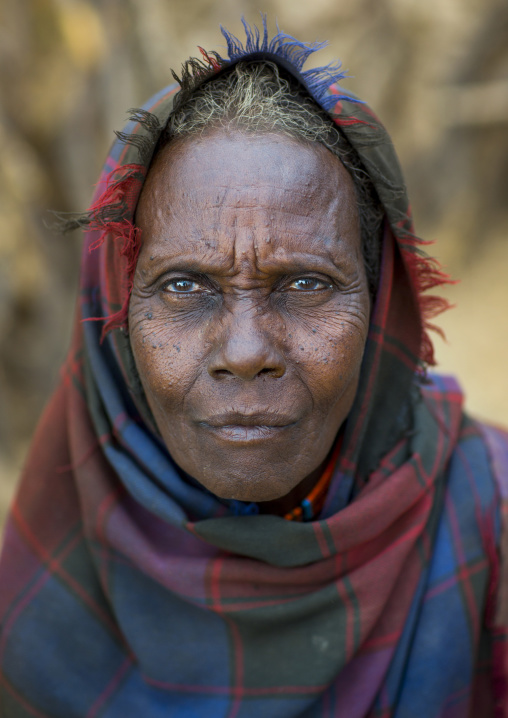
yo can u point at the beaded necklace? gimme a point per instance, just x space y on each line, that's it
310 506
313 503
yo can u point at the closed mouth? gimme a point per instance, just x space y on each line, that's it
258 419
246 428
242 433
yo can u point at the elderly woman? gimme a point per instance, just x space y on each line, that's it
246 497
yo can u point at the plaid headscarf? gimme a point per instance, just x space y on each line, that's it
126 591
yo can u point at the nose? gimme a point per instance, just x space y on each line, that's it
245 350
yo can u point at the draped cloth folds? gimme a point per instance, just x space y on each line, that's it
126 590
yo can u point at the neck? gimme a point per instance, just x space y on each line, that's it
283 506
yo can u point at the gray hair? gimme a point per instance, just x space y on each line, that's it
255 97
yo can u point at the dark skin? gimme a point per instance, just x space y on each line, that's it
249 311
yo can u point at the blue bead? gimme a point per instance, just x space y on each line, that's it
307 509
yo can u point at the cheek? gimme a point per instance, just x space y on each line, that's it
166 356
331 358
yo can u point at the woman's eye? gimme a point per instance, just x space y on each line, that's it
308 284
182 286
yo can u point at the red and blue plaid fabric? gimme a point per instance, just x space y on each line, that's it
127 591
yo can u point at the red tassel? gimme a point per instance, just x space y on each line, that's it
123 186
130 247
425 273
210 60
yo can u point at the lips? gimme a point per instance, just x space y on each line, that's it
258 418
242 428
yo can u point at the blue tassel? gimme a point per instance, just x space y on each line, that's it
292 51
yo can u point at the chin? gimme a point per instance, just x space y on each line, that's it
245 488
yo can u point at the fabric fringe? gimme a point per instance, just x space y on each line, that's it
425 273
142 143
111 206
282 46
112 212
211 59
195 72
147 120
287 48
112 216
128 237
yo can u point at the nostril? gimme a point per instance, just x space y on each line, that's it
246 356
267 371
222 373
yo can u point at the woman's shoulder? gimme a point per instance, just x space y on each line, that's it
496 442
476 476
482 457
481 449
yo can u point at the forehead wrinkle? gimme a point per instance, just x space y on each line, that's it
213 217
242 239
209 187
224 216
228 230
298 261
253 260
267 198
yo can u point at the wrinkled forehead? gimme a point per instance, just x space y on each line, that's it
237 168
236 193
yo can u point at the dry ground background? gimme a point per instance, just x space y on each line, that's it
435 71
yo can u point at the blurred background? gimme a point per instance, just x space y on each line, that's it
436 72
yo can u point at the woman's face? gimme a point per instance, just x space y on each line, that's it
250 308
